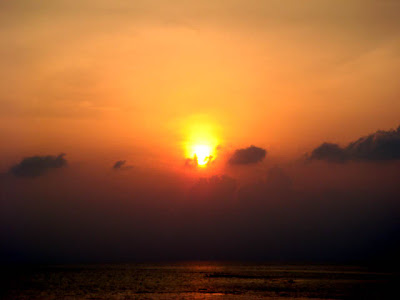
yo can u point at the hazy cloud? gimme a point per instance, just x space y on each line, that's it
121 165
329 152
266 218
276 184
215 187
216 182
381 145
37 165
250 155
278 179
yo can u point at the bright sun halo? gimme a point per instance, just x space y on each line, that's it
201 144
203 153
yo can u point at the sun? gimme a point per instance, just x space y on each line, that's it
201 144
203 154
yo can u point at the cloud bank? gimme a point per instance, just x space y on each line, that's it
250 155
379 146
304 212
119 164
35 166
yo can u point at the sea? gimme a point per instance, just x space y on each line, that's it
197 280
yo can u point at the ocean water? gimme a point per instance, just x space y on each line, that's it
205 280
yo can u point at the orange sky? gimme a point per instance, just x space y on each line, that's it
130 80
106 106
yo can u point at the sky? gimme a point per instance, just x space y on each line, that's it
173 130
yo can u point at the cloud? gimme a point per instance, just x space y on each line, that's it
379 146
250 155
329 152
121 165
217 182
265 217
35 166
278 179
255 195
216 188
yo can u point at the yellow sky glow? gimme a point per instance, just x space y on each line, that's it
201 142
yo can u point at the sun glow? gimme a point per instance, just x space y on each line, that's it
201 145
203 154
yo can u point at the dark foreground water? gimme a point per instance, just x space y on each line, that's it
197 281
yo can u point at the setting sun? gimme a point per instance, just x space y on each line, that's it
203 153
201 143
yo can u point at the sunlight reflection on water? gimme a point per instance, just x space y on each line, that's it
193 281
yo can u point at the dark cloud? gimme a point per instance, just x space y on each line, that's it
35 166
330 152
278 179
121 165
212 199
378 146
381 145
276 184
215 187
250 155
298 212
